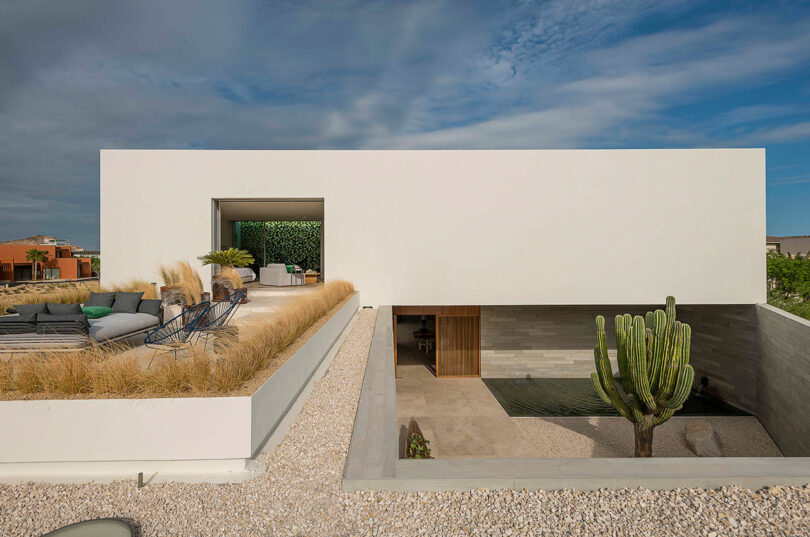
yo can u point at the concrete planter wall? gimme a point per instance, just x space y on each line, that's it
784 379
168 429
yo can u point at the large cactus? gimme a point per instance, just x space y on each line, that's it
654 372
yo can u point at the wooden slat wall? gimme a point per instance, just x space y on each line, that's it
437 310
458 346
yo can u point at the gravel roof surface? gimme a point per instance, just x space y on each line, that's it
300 493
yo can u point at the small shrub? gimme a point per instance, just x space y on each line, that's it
418 447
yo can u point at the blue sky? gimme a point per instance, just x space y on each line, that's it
83 75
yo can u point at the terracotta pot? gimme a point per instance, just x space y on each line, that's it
221 290
171 295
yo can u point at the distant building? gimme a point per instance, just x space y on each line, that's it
789 245
39 239
60 265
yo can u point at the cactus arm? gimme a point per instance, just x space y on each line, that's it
663 416
672 365
621 351
601 337
597 385
682 389
637 354
659 330
669 334
635 407
607 384
686 344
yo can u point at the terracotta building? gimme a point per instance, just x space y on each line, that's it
60 263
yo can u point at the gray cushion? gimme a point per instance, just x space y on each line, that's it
31 308
63 309
127 302
118 324
105 300
75 323
150 306
18 324
19 318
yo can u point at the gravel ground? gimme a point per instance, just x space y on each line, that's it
300 494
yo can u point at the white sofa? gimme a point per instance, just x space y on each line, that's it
247 274
276 274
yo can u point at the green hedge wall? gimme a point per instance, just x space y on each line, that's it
292 243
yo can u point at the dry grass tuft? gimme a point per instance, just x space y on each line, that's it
100 370
73 292
137 286
230 275
169 274
190 283
66 293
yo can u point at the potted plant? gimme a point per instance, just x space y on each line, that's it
170 291
181 285
227 280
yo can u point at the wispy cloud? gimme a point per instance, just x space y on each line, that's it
76 77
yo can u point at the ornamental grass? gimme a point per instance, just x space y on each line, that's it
71 293
103 371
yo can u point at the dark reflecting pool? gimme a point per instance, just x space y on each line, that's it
543 397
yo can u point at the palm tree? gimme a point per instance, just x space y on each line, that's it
35 257
232 257
227 279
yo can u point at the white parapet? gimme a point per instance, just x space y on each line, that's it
70 440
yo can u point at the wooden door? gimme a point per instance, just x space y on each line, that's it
458 346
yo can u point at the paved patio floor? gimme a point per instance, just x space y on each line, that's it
462 419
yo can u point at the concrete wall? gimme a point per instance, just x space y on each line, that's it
468 227
557 341
725 350
784 379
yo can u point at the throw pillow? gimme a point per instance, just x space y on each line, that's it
63 309
27 309
126 302
104 300
150 306
96 312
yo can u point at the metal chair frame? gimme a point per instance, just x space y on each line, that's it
217 317
176 333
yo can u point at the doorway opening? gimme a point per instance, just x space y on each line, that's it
449 335
276 232
416 341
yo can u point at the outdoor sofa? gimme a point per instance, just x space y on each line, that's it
247 274
56 326
281 275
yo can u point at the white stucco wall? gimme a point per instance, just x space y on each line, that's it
469 227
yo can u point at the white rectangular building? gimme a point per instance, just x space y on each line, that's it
572 227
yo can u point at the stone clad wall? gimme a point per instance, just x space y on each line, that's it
784 379
557 341
725 350
542 341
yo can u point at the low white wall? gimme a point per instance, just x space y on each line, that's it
168 429
271 402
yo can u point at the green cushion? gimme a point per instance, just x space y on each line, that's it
96 312
290 268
